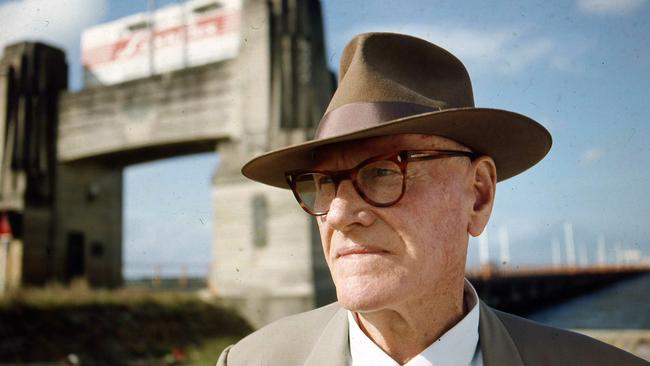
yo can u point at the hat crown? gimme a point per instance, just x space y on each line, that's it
389 67
397 84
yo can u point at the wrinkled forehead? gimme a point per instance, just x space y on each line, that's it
358 150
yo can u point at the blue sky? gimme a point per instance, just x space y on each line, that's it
581 68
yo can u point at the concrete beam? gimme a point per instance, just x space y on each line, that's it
189 110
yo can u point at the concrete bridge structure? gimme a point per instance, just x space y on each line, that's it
63 154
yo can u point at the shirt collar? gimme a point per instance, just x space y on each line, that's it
455 347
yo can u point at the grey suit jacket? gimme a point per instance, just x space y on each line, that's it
320 337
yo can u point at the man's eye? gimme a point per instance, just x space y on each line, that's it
383 172
325 180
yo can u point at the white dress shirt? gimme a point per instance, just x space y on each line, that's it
459 346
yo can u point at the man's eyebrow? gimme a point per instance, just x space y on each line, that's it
317 156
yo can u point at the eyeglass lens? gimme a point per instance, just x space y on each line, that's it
379 181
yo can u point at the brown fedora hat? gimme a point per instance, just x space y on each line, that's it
396 84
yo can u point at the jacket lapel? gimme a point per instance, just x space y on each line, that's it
332 348
497 346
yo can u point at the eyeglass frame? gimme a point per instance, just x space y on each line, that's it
401 158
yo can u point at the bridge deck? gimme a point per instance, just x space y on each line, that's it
528 289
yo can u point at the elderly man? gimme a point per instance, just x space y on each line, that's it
403 168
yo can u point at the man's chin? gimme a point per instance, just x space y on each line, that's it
362 302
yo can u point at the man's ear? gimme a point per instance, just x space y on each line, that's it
483 186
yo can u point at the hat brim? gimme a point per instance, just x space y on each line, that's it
514 141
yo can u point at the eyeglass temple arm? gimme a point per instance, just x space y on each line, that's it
419 155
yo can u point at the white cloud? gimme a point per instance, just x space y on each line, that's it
615 7
497 49
502 51
58 22
592 154
521 57
567 64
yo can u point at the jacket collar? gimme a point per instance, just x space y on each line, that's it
497 346
332 348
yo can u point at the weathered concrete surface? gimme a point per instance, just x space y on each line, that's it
263 265
32 76
264 249
89 210
156 117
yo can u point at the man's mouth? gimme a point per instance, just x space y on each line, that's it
346 252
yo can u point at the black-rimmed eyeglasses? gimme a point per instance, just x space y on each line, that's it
379 180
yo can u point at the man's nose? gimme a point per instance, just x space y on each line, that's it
348 208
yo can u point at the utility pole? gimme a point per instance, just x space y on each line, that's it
602 258
151 9
484 254
570 245
556 252
504 246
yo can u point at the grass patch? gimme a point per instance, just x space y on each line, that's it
208 352
80 293
121 327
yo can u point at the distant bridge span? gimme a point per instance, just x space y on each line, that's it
526 289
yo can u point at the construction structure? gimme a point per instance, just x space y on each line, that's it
63 153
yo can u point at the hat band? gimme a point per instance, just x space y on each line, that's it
361 115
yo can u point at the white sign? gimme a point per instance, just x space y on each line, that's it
171 38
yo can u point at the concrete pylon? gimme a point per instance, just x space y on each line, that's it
32 77
267 257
